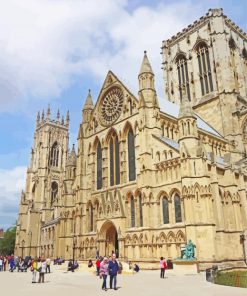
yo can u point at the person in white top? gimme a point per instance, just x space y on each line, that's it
48 265
42 270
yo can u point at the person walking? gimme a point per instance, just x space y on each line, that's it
5 260
104 272
113 271
42 270
162 268
34 267
97 263
48 265
1 263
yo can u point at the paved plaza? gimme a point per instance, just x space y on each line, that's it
86 283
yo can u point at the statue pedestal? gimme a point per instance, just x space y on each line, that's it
186 266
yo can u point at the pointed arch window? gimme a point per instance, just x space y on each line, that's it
99 166
132 211
54 192
205 73
183 77
114 161
178 210
140 210
54 155
165 207
131 155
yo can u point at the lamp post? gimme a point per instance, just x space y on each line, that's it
22 248
30 246
242 241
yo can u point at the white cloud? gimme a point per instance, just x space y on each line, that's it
44 44
11 183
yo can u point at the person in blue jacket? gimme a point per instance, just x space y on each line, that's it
113 271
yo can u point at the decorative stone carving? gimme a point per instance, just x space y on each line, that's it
111 106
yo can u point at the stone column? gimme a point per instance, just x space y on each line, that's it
121 247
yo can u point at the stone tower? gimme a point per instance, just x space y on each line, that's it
206 63
40 202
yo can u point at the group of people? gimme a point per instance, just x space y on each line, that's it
73 265
5 262
41 266
12 263
108 266
104 267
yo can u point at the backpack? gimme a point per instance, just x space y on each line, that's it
165 264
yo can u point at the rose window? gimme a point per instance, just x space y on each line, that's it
111 106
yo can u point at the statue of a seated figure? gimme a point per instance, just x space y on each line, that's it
189 252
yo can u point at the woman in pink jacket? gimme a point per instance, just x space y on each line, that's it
104 272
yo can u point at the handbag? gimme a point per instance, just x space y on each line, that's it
39 269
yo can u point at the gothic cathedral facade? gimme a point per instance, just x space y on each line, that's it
149 173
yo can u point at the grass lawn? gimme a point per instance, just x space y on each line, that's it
232 278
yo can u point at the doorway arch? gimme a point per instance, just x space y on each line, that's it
109 239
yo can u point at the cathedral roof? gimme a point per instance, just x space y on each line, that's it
146 66
170 142
173 110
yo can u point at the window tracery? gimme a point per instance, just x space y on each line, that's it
54 155
183 77
205 73
131 155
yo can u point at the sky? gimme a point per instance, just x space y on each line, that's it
53 51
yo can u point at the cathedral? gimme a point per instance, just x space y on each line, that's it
149 173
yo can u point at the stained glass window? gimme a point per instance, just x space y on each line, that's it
111 163
54 155
183 78
178 212
131 156
99 167
165 207
205 73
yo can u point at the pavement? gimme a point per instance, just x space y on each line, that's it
84 282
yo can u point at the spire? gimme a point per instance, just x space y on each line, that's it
145 67
43 115
89 101
67 118
146 83
71 161
38 118
185 109
48 113
58 115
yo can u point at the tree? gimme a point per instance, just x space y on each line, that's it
7 244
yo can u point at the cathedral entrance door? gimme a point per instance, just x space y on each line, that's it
109 234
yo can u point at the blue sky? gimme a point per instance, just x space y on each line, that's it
54 51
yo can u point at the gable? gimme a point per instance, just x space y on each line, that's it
115 102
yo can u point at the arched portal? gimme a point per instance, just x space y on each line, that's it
108 239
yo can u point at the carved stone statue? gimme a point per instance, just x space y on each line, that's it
189 252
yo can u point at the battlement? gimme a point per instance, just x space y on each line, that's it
46 119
